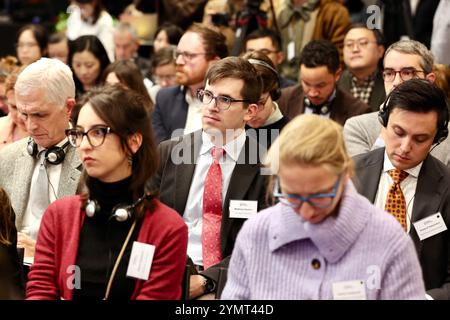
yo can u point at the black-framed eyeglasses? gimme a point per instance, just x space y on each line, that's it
263 51
295 201
361 43
187 56
222 102
95 136
405 74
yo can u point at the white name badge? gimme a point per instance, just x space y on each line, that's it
349 290
291 50
243 209
140 260
430 226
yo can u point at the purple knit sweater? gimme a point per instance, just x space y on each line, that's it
278 255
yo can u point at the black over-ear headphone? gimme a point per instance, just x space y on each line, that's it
275 94
442 132
55 155
121 211
322 109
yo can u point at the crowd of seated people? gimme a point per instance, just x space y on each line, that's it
185 169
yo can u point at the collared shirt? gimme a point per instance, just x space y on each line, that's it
295 259
362 90
30 224
194 114
193 212
408 187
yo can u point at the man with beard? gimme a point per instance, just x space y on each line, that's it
178 107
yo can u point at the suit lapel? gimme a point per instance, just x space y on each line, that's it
70 173
185 171
428 193
21 184
240 182
369 174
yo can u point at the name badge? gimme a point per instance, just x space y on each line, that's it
349 290
243 209
140 260
430 226
291 50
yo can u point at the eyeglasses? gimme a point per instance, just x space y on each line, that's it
318 200
26 45
405 74
222 102
95 136
361 43
263 51
187 56
165 78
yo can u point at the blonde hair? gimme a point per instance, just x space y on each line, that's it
311 140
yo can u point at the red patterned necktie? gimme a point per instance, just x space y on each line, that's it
212 211
395 201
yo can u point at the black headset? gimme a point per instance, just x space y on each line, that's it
54 155
275 94
322 109
121 212
442 132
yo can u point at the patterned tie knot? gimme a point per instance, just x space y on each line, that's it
217 153
397 175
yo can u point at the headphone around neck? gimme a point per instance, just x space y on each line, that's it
442 132
54 155
275 94
121 212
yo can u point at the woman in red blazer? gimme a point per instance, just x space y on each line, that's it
111 241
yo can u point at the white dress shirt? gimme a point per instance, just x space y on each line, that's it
408 187
30 224
194 206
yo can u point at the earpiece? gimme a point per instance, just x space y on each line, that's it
322 109
275 94
55 155
442 132
120 212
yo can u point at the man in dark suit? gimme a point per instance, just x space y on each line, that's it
178 107
406 180
363 50
317 92
229 101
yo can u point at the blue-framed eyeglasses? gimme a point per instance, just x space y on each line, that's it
318 200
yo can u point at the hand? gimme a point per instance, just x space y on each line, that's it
196 287
24 241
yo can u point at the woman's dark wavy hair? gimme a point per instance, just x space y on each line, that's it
7 219
93 45
125 112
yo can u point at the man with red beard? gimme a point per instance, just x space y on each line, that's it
177 108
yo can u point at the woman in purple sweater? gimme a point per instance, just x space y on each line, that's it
322 240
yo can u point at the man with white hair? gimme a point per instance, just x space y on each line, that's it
37 170
126 47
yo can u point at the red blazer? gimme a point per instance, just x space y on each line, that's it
57 248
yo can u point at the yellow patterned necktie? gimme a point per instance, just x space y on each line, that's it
395 201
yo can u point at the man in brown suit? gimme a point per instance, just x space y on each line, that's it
317 92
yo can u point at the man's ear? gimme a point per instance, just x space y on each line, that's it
251 112
134 142
431 77
70 103
338 74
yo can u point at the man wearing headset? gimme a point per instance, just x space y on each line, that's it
318 92
404 179
37 170
404 60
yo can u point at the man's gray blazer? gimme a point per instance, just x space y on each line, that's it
16 171
361 132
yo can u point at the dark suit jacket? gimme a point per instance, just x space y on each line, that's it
170 112
432 196
343 106
174 182
378 94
